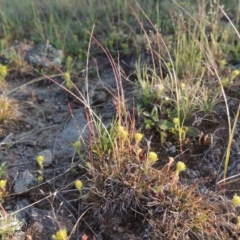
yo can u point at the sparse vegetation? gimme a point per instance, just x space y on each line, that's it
142 167
8 110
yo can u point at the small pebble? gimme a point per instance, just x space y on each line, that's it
120 229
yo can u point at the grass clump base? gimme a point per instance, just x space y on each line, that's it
125 184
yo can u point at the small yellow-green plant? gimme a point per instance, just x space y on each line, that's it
67 78
104 140
3 72
173 125
78 185
40 178
67 74
8 225
226 81
169 116
150 160
152 157
60 235
3 191
138 137
180 167
208 98
3 181
236 200
77 147
180 131
40 160
122 134
3 172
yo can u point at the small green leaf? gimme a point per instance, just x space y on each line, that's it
149 123
165 125
192 132
147 114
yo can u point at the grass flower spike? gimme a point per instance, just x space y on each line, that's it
180 167
236 200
